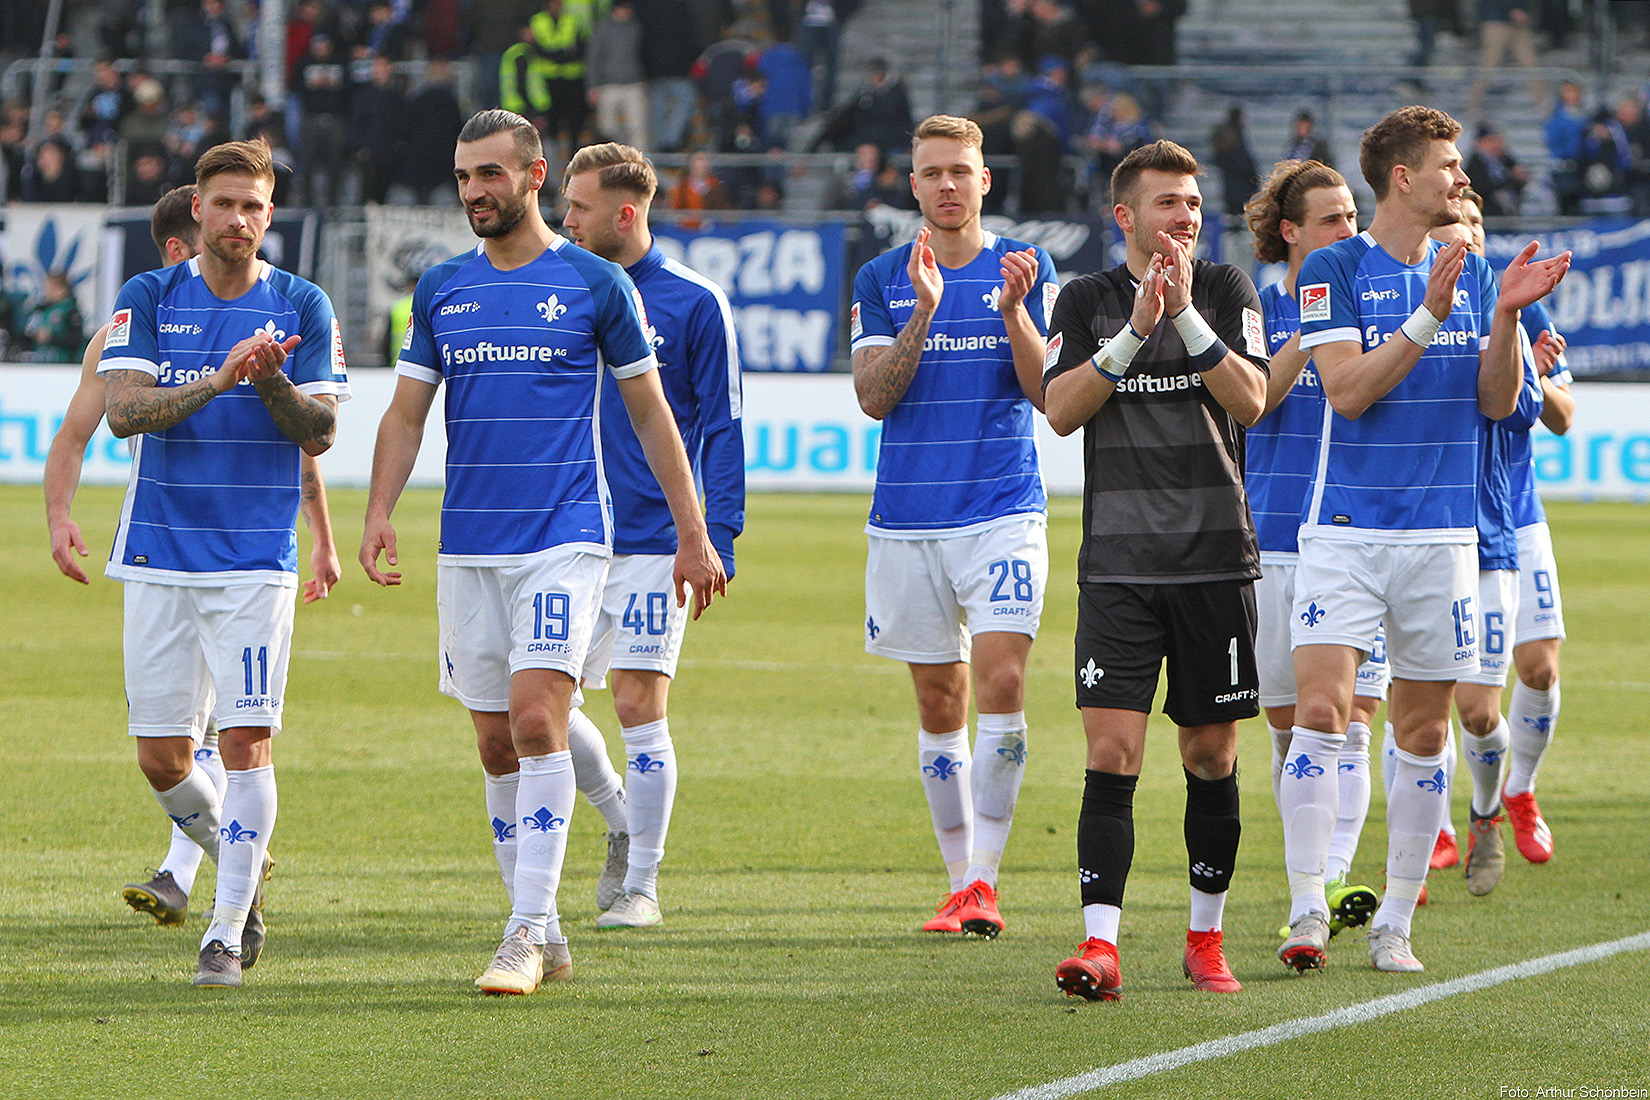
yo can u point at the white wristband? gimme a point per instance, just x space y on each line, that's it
1113 360
1421 327
1194 331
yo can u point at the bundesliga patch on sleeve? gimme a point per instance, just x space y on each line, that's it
1051 291
1254 333
1315 302
120 329
855 329
1052 356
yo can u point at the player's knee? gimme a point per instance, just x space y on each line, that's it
1002 688
163 774
1324 715
1540 673
1479 717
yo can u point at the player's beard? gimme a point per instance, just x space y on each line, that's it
507 214
232 251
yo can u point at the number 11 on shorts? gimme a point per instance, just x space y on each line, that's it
262 660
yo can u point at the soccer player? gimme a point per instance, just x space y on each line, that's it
1303 206
522 330
1162 362
172 224
1484 733
947 352
638 639
1413 341
206 546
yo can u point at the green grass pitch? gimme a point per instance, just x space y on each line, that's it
800 865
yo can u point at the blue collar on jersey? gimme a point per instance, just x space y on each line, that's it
652 260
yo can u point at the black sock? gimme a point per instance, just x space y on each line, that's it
1105 837
1212 831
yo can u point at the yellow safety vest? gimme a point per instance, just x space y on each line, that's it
560 44
521 81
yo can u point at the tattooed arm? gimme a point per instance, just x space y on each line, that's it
307 419
137 403
882 375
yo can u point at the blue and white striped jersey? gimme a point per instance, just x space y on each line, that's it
1282 450
212 500
692 333
960 448
1406 471
1497 526
522 353
1527 509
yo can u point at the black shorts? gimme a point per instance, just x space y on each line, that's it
1205 631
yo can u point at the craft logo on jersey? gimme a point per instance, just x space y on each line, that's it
1052 356
1315 302
1254 333
991 298
551 308
855 329
120 330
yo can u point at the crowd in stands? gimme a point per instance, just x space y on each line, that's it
377 90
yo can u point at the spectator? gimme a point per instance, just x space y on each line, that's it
322 84
444 29
494 27
50 175
104 104
1044 184
1505 26
618 87
189 133
1239 179
1495 175
1430 17
1306 143
204 35
669 50
427 164
1053 31
13 154
54 329
1048 94
880 113
522 85
819 38
1113 136
379 125
560 36
384 35
698 189
1566 127
715 73
1635 129
1154 30
1605 163
789 98
150 177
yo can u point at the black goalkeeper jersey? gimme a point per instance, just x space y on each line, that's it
1163 497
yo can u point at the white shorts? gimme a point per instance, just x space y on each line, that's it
925 599
1424 596
1497 616
495 620
192 653
1540 608
1274 604
639 625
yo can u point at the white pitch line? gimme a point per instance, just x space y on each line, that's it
1312 1025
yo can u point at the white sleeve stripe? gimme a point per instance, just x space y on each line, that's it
417 372
1329 336
129 363
872 342
631 370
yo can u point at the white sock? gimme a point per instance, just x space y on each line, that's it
545 795
248 817
194 807
1414 813
1487 763
1280 750
650 793
210 760
1352 785
1309 799
1207 911
1100 922
183 859
946 770
1389 758
1452 757
1530 720
994 786
501 814
593 771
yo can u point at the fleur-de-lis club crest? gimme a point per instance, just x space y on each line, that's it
1015 753
1302 768
1312 614
645 763
550 309
1090 673
184 822
543 821
271 331
503 830
233 833
1437 782
942 768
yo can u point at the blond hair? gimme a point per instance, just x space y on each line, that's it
251 158
965 130
618 168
